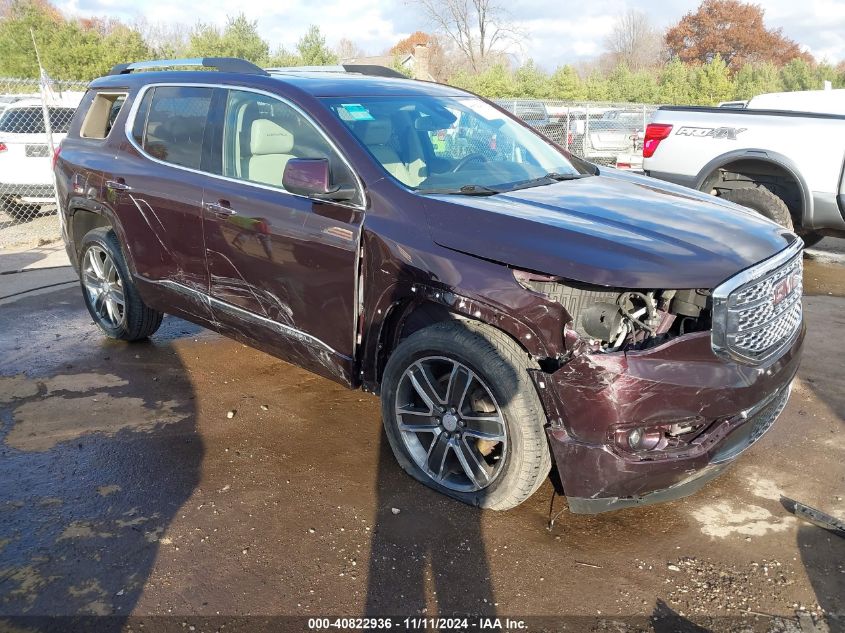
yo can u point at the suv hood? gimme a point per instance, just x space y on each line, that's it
612 229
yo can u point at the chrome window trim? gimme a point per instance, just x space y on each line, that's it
136 102
287 330
721 297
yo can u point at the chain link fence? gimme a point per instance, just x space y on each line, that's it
608 134
603 133
27 195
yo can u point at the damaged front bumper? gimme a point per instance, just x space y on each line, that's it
594 395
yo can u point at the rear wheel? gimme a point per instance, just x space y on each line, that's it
463 417
108 291
762 201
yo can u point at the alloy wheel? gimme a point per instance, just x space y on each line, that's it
104 287
451 424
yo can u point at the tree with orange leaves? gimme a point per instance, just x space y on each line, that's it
407 45
733 30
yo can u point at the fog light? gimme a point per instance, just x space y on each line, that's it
635 436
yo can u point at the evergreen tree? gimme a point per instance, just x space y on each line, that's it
313 50
567 85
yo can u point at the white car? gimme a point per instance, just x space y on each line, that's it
26 181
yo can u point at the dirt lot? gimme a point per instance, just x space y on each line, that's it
128 489
42 228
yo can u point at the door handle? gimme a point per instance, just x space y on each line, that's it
116 185
220 209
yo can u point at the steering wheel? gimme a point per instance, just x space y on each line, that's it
468 159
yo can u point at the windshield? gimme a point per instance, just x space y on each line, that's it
452 144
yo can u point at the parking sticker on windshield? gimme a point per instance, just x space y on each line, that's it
357 112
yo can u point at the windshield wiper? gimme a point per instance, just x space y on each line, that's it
465 190
553 175
548 179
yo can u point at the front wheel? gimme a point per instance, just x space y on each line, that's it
462 415
108 291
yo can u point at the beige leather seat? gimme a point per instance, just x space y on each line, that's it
270 147
376 136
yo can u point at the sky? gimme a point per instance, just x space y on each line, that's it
556 33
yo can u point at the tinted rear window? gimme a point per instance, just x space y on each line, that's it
31 120
176 124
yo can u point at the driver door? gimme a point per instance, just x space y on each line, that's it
282 267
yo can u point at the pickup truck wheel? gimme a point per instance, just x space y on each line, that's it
762 201
811 238
108 291
463 416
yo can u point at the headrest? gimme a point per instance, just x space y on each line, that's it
267 137
376 132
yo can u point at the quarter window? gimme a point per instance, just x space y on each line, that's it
261 134
175 124
101 115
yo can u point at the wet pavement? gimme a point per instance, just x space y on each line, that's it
128 489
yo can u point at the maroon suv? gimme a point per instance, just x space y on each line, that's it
509 302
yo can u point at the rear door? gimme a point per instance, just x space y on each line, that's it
282 268
160 186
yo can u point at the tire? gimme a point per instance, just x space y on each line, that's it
513 468
762 201
18 211
811 238
133 321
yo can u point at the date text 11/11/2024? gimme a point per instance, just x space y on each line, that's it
418 623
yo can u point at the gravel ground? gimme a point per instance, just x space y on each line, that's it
191 481
40 230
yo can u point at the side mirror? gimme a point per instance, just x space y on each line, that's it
312 177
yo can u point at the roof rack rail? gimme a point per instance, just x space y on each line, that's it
373 69
361 69
222 64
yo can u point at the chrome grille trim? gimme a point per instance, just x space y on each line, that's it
748 327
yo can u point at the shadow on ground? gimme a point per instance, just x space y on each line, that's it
95 461
419 571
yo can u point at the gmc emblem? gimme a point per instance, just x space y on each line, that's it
782 289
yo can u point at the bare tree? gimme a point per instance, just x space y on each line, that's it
166 40
481 30
634 40
347 49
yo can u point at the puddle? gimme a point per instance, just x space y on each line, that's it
822 278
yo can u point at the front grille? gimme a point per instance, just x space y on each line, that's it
758 313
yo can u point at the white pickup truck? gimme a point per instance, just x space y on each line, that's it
783 163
